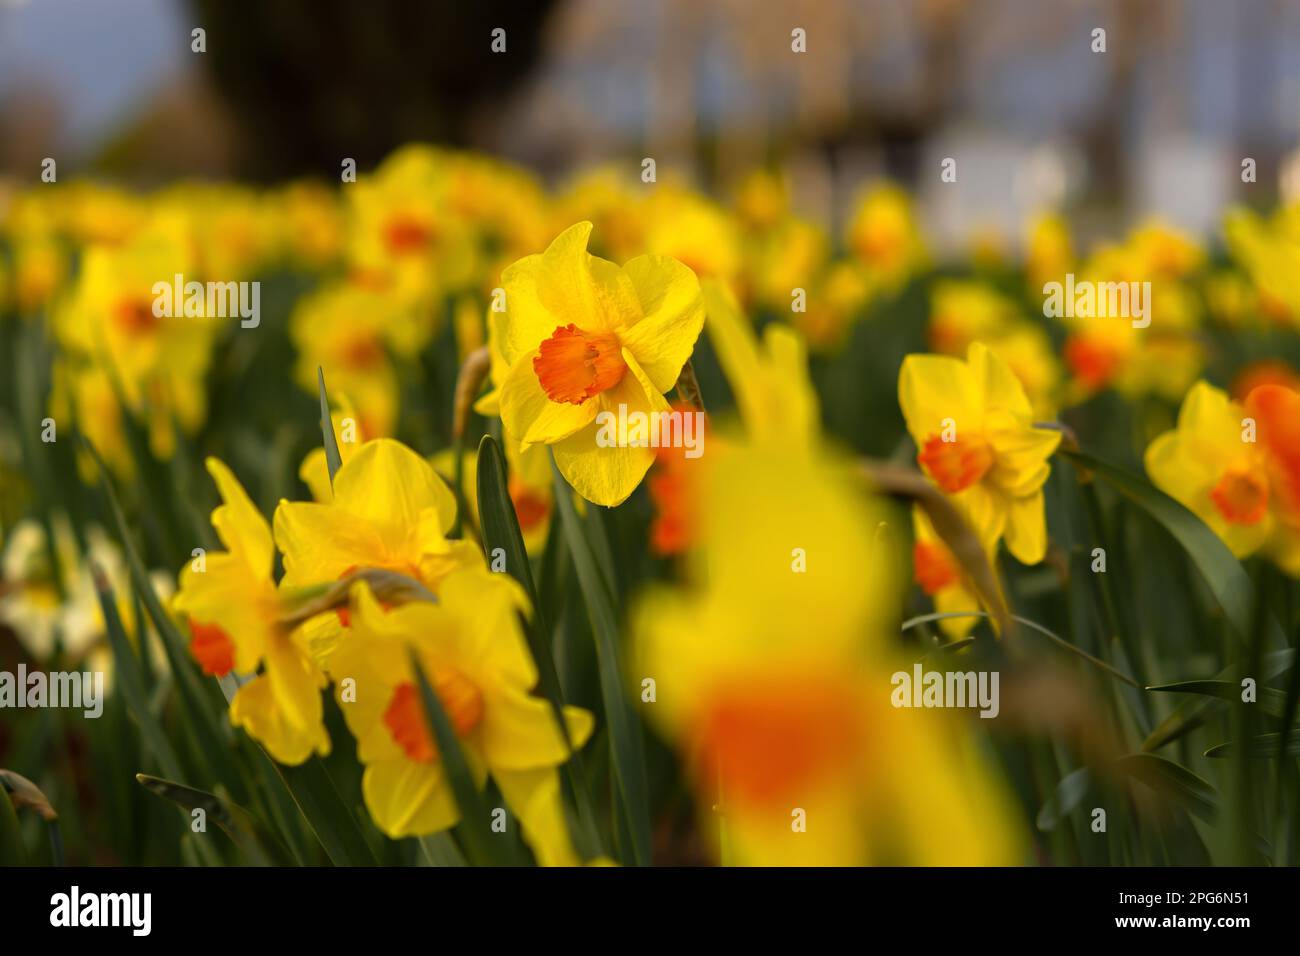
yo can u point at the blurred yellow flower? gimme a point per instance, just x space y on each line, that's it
885 236
1236 467
940 576
352 334
974 428
789 730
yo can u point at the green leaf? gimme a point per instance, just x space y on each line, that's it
474 814
333 460
319 802
439 849
1261 745
500 528
1195 711
12 850
1223 574
131 680
246 831
1175 781
203 717
1069 792
1270 701
1032 626
626 745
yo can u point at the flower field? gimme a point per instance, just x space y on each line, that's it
441 516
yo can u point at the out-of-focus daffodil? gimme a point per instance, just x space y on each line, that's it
114 324
939 574
234 612
974 428
1235 466
789 731
884 234
351 333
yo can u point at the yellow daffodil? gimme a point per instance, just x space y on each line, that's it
233 607
581 336
388 509
115 322
963 312
1235 466
1049 250
939 574
974 428
885 236
789 730
407 240
473 652
352 334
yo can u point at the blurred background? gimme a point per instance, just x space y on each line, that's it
1158 124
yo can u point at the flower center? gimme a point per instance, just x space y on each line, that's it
406 720
958 464
135 316
778 738
1093 361
574 364
933 566
363 353
406 234
212 648
531 507
1241 496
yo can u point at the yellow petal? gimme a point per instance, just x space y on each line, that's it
315 474
321 542
388 485
933 388
998 385
256 709
295 681
406 798
239 524
1026 530
529 415
534 797
520 731
664 338
608 475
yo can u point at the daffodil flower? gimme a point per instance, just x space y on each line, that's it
388 509
472 649
234 609
940 576
581 336
1235 467
974 428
